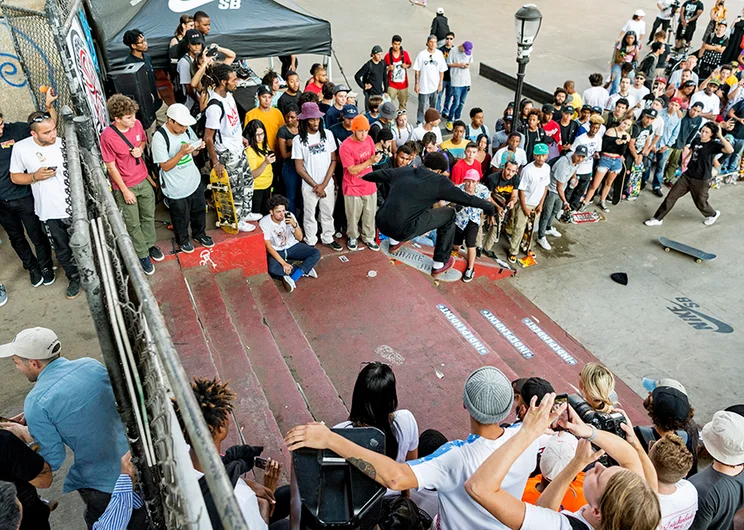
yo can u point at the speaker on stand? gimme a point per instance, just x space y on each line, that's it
131 80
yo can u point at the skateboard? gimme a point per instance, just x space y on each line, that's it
419 261
699 255
227 218
526 244
583 217
725 178
633 189
618 185
421 3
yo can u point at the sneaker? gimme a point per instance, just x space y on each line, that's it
449 126
710 220
658 192
395 248
553 232
206 241
512 258
352 244
155 254
73 288
653 222
48 275
603 206
245 226
468 276
36 277
334 245
187 247
253 217
147 265
490 253
543 242
312 273
448 265
478 252
582 207
374 247
289 283
338 235
3 295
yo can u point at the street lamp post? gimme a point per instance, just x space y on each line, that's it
527 23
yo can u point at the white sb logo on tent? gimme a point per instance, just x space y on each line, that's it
229 4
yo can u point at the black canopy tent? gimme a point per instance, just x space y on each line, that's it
251 28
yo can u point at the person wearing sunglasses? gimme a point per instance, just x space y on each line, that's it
40 162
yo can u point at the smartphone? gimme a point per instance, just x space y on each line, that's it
259 462
560 399
53 168
197 144
288 217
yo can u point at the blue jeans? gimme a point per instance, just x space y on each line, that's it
615 73
292 182
444 96
731 163
309 256
661 162
425 102
459 95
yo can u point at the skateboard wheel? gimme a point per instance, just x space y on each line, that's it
392 262
667 250
698 260
436 283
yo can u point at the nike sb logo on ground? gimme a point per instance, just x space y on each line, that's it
686 310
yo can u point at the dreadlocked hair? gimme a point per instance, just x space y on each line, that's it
215 399
220 72
303 131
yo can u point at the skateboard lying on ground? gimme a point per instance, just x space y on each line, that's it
526 244
227 218
725 178
583 217
419 261
699 255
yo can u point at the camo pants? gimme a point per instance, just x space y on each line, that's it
241 181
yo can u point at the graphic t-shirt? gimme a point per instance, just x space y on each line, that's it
457 150
316 154
229 134
12 133
678 509
184 178
281 235
352 153
114 149
593 145
398 76
691 7
497 184
429 65
533 183
639 135
51 196
701 160
503 155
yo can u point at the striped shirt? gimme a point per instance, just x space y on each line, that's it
119 510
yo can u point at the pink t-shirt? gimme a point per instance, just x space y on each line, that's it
351 153
114 149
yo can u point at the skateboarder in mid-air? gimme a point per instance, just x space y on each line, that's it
408 210
696 179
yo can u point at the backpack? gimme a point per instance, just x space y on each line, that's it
647 436
178 91
485 131
201 122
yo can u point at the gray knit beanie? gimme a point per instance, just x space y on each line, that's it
488 395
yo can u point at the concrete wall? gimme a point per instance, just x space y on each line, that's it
15 99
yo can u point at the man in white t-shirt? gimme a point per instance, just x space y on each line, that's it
429 68
40 162
458 60
284 246
488 398
511 151
226 145
711 102
314 155
431 124
678 497
623 92
533 187
597 95
592 139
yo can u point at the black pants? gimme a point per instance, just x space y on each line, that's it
96 503
574 195
441 219
261 201
189 209
698 188
57 231
658 23
16 215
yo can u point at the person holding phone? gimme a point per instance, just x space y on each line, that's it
260 159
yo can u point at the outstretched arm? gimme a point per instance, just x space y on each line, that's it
451 193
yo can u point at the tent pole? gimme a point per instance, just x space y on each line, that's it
330 68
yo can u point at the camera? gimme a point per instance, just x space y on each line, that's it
211 52
604 421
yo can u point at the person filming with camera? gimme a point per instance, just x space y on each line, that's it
618 497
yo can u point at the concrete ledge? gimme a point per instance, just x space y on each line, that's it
510 81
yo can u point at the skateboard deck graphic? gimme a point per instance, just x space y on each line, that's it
526 244
698 254
633 189
227 218
584 217
419 261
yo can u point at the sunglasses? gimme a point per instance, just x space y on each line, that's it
40 118
401 112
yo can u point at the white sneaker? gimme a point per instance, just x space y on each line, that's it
312 273
653 222
710 220
543 242
254 217
245 226
289 283
553 232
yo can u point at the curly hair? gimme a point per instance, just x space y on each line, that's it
666 423
277 200
120 105
307 97
671 458
215 399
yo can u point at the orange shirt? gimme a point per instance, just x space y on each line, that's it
272 121
573 500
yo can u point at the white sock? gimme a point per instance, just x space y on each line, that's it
437 265
393 241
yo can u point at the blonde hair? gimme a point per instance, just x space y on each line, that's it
629 503
598 383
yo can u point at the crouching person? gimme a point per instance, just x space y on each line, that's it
283 238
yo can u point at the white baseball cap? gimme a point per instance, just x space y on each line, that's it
33 343
639 13
440 11
179 113
558 452
651 384
724 438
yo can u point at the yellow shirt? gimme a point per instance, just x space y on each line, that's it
264 180
272 121
576 103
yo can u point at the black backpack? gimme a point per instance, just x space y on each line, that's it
201 119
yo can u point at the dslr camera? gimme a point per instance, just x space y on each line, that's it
604 421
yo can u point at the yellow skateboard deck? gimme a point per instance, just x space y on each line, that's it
227 218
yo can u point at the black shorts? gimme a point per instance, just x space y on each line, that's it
685 33
469 235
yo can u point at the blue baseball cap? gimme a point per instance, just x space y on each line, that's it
349 111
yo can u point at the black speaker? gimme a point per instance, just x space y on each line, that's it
334 493
131 81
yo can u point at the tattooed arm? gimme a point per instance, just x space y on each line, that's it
380 468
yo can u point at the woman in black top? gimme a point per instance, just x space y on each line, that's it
614 145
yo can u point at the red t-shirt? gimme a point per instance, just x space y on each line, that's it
462 167
351 153
553 130
398 77
114 149
312 87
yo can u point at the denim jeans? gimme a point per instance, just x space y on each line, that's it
425 101
309 256
444 97
661 162
731 163
459 95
